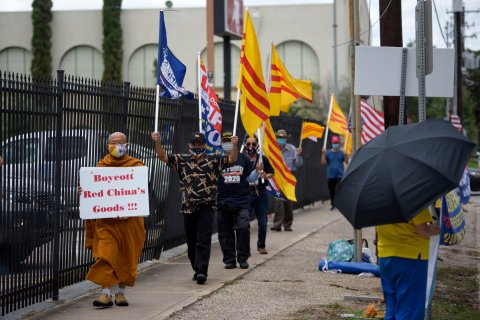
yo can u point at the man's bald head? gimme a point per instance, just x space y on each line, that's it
117 137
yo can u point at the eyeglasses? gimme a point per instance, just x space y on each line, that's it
253 144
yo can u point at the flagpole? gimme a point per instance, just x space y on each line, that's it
328 121
237 103
261 134
157 102
199 93
301 130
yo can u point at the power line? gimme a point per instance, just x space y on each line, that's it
370 27
439 25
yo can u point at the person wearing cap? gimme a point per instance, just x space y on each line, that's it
334 159
198 173
233 201
258 192
293 159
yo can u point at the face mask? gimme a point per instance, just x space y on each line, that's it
197 151
251 150
282 141
117 150
335 145
227 147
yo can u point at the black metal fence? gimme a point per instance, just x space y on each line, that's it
49 129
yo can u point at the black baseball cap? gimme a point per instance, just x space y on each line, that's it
226 135
197 137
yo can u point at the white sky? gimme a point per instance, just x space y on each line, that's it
408 14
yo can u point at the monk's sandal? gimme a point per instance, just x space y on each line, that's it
120 300
105 300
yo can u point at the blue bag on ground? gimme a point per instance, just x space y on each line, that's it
349 267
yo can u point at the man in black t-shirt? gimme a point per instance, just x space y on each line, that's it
198 173
233 215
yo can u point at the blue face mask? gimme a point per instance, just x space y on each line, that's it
282 141
335 145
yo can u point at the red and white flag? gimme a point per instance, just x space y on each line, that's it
456 122
373 122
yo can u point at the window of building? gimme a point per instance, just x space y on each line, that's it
141 66
15 59
300 60
83 61
235 60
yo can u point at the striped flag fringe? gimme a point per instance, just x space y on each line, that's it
373 122
337 122
285 89
312 131
254 103
284 178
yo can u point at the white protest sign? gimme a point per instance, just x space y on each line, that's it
378 71
113 192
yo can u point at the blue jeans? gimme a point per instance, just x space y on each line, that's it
259 205
404 284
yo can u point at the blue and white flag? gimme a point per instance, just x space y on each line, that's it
463 189
453 223
170 70
273 189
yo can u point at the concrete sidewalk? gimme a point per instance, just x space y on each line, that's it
165 287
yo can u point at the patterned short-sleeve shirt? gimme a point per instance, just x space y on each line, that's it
198 178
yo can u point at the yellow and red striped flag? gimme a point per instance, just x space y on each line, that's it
283 177
312 131
254 104
285 89
337 122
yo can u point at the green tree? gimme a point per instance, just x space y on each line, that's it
41 38
472 112
112 41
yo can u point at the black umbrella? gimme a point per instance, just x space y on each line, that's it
402 171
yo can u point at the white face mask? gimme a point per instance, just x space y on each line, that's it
227 147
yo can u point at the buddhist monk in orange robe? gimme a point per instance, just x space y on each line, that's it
116 242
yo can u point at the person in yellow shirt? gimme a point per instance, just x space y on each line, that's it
403 258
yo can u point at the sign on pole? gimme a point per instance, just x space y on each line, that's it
378 72
113 192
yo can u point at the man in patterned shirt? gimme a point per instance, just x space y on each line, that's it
198 173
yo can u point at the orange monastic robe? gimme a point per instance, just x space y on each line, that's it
116 243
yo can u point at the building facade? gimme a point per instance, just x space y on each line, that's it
302 33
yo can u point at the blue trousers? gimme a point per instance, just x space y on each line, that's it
404 284
259 205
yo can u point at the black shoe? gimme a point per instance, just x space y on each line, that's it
201 278
243 264
332 208
230 265
288 229
275 229
194 277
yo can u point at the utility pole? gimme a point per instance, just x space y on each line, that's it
354 19
391 36
210 44
335 58
458 18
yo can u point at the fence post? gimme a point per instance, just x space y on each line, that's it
58 189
